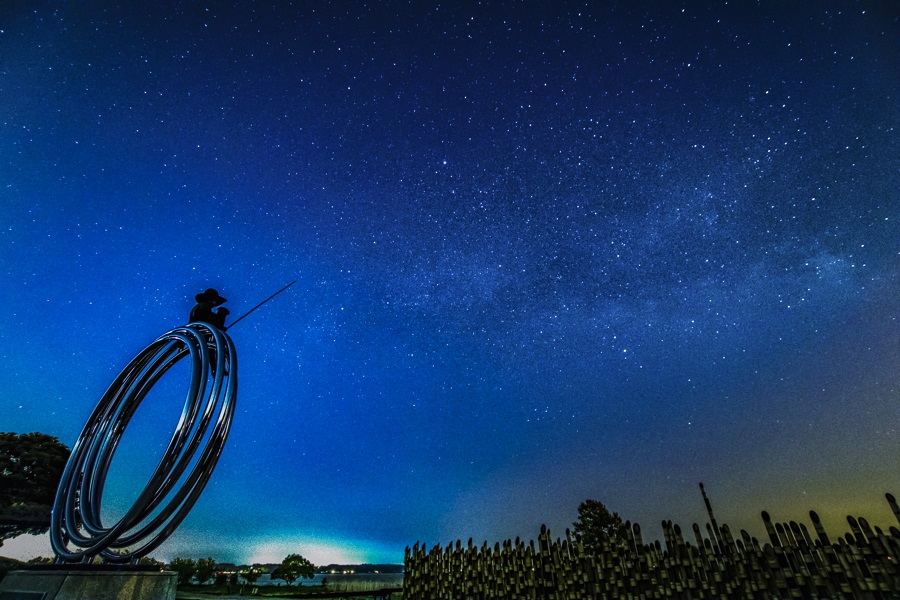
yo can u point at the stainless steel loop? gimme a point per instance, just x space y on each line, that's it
77 531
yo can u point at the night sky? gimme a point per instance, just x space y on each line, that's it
544 252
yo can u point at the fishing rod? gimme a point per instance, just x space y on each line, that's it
260 304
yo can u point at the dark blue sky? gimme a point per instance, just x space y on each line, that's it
545 252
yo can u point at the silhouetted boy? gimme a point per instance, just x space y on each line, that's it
204 309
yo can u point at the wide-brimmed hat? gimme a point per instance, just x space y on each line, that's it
211 296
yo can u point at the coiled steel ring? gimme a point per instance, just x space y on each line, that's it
77 532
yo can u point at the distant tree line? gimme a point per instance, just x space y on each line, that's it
292 568
364 568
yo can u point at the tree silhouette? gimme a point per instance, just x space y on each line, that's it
206 569
185 567
293 567
31 465
596 524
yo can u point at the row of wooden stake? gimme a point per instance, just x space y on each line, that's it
862 564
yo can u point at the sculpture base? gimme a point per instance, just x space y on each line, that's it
88 582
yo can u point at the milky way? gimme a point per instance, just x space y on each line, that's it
544 253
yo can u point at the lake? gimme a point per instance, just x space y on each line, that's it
345 583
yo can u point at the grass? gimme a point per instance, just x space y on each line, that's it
272 591
265 591
186 592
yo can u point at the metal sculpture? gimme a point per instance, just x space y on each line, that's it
77 532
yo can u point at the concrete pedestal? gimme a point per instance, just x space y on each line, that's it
74 583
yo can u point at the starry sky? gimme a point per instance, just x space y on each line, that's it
544 252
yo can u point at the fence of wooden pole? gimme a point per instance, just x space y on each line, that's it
862 564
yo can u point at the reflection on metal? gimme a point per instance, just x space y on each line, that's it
77 532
